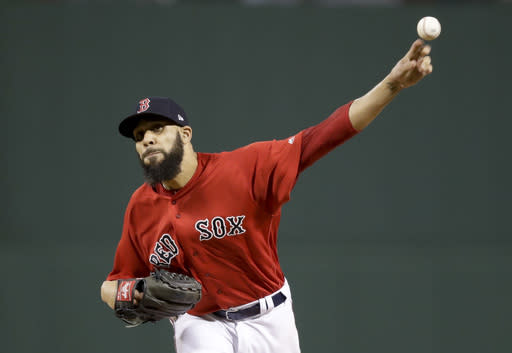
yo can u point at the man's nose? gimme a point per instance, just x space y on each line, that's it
149 138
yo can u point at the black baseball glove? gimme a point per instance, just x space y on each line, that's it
164 294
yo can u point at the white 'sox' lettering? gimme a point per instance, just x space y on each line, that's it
219 227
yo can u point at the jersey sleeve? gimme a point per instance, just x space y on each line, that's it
320 139
279 162
127 261
275 171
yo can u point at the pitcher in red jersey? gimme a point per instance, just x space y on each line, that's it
215 216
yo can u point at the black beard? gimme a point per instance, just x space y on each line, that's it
168 168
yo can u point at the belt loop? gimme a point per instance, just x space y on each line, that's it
270 302
263 306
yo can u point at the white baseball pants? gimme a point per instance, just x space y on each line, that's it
270 332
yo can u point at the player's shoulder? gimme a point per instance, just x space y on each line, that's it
142 193
142 190
259 150
262 147
253 147
242 155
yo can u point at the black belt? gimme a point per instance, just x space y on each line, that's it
253 310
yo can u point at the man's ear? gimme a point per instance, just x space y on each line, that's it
186 134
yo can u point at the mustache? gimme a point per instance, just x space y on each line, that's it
151 150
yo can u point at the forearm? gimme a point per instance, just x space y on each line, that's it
408 71
108 293
366 108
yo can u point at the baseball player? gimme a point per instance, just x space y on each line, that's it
215 217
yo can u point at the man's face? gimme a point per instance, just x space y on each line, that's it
160 150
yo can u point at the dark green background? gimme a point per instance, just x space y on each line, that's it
399 241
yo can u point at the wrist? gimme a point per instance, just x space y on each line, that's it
108 293
393 85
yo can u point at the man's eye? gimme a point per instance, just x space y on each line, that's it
139 136
158 129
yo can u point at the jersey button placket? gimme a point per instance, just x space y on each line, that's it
173 202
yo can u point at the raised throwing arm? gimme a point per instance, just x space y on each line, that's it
409 70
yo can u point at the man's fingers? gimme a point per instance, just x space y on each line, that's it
415 50
137 297
426 50
425 65
410 65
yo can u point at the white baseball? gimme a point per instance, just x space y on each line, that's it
429 28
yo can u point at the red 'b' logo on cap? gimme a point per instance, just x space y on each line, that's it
143 105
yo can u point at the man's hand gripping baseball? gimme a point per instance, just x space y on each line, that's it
415 65
408 71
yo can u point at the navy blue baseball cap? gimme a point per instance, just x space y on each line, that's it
153 108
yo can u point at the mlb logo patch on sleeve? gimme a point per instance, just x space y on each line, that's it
125 290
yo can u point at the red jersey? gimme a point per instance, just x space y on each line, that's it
221 227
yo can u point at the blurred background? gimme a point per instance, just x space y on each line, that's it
398 241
